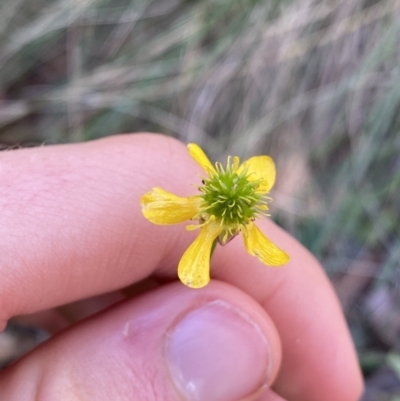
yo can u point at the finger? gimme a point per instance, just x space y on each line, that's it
270 395
172 343
319 359
71 219
78 222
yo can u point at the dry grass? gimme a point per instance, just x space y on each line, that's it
313 83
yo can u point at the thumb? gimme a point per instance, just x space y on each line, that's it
213 344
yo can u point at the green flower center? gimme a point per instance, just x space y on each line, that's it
232 199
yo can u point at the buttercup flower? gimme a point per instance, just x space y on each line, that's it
229 201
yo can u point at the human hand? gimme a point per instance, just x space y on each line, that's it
72 228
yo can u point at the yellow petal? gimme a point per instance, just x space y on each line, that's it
260 168
236 162
162 207
257 244
197 153
194 266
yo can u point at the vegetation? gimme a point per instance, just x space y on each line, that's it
315 84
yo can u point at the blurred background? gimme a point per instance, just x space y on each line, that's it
315 84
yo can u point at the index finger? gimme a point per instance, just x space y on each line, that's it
72 228
71 220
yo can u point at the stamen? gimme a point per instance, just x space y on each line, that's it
219 168
223 185
236 162
228 164
192 227
232 204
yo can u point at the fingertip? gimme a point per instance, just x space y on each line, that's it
214 344
74 217
319 360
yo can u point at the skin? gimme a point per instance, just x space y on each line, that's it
72 230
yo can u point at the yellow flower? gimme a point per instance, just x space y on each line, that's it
230 200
